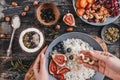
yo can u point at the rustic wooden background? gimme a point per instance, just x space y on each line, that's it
30 20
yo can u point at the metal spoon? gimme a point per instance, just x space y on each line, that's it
15 25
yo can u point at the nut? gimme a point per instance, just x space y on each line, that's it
86 59
26 8
14 4
69 29
57 27
35 3
91 62
23 14
85 16
82 55
7 18
2 36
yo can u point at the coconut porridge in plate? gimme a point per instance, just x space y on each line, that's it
67 52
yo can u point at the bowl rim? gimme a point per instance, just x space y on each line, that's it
104 29
55 9
39 32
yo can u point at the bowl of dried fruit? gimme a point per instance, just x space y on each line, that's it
31 40
97 12
47 13
111 33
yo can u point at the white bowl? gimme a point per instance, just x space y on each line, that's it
41 42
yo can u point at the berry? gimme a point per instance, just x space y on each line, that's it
71 57
69 50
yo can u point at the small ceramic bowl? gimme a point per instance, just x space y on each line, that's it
47 5
105 28
37 38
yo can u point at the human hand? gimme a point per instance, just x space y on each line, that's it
39 67
105 63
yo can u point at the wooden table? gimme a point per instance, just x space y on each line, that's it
65 6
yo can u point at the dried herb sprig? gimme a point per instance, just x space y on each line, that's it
18 66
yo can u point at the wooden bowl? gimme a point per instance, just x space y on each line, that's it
47 5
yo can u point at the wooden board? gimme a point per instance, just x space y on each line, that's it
101 42
30 74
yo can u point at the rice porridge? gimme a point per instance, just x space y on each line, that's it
71 49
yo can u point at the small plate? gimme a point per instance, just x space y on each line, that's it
105 28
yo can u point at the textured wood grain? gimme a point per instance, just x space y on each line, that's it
101 42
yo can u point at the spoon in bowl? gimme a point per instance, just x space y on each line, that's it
15 25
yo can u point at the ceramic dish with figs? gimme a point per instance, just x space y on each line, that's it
63 57
97 12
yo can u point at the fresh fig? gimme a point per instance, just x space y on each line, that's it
53 67
59 76
69 19
59 59
63 70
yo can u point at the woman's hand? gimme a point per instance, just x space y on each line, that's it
39 67
105 63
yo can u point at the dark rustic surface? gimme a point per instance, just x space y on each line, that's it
30 20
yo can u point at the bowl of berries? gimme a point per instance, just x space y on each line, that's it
47 13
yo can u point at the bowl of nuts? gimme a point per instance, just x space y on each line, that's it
111 33
47 13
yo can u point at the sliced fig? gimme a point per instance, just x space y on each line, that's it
69 19
59 76
53 67
63 70
59 59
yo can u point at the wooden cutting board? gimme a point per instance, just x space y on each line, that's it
30 74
